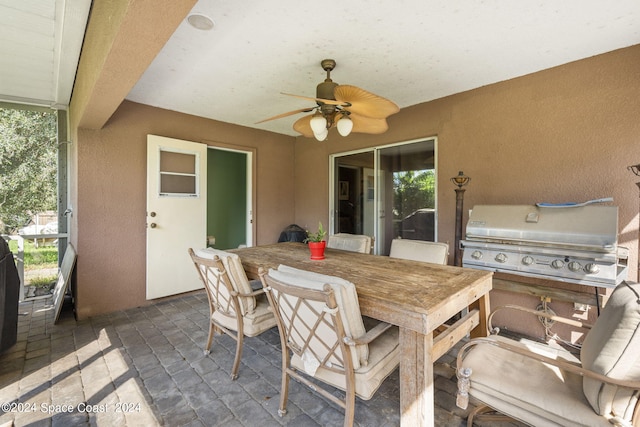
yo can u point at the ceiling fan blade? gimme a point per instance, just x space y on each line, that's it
362 124
288 113
365 103
303 125
326 101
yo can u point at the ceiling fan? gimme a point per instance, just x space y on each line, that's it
348 108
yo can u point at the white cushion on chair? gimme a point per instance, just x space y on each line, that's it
254 323
612 348
346 298
350 242
233 265
419 250
529 390
384 356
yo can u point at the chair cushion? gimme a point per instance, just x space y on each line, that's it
254 323
350 242
612 348
346 298
384 357
239 281
528 390
419 250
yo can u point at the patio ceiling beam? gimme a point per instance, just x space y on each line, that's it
121 41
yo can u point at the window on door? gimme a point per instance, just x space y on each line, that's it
386 192
178 174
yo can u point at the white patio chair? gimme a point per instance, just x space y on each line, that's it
320 324
234 307
544 386
350 242
420 250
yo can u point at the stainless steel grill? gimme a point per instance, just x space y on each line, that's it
569 244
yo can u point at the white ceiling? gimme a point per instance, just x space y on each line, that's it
409 51
40 42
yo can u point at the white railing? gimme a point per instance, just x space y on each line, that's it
20 238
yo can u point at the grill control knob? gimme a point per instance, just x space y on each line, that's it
557 264
501 258
591 268
476 255
575 266
527 260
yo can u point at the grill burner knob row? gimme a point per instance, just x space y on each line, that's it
527 260
501 258
591 268
575 266
557 264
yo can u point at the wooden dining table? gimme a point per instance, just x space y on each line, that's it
420 298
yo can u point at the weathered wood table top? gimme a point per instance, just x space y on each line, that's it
414 295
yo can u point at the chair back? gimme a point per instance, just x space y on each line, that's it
217 284
227 273
350 242
315 313
420 250
612 348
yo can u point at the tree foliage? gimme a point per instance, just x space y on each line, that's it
28 165
413 190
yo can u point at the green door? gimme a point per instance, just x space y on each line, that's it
227 210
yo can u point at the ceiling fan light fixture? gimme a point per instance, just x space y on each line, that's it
322 135
345 107
344 125
318 123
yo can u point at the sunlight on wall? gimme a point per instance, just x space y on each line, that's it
628 238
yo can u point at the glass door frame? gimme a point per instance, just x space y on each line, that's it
378 203
333 209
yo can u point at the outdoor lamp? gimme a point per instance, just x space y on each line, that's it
460 180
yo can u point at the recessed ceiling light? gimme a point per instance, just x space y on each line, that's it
200 21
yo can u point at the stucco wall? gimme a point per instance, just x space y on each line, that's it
564 134
110 216
560 135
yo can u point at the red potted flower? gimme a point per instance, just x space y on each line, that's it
316 242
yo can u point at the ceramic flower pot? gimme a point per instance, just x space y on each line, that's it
317 249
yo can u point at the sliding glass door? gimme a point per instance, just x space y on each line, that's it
354 204
386 192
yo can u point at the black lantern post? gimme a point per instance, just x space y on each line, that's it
460 180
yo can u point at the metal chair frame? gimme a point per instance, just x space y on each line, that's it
224 299
298 336
487 413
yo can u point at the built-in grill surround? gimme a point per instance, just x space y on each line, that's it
572 244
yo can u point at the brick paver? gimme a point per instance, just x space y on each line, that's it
145 367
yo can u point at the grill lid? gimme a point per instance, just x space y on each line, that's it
588 227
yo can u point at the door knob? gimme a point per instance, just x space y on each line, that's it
152 225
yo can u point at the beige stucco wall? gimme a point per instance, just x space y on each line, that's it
564 134
111 196
560 135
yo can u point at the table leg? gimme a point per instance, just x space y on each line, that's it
482 304
416 379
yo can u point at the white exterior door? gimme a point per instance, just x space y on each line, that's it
176 213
